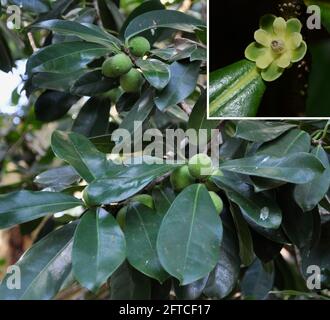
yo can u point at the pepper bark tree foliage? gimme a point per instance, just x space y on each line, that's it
283 73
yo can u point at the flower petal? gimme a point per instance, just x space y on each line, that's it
262 37
284 60
254 50
296 40
272 73
264 60
266 22
299 53
293 25
279 26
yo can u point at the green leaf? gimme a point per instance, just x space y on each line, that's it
182 83
53 105
309 195
246 252
85 31
223 279
57 178
318 94
289 143
236 90
156 72
191 291
93 118
258 280
162 19
99 248
144 7
163 199
81 154
22 206
142 226
64 57
190 235
257 207
44 267
129 284
298 168
35 6
261 131
126 183
93 83
57 81
198 117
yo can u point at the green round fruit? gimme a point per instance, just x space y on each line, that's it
181 178
139 46
218 204
132 81
211 186
117 65
200 166
145 199
121 217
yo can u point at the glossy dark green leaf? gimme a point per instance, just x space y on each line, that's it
129 284
145 6
99 248
291 142
258 280
88 32
22 206
81 154
236 90
244 236
93 118
309 195
57 81
297 225
163 199
198 117
64 57
57 178
53 105
142 226
126 183
298 168
223 279
44 267
93 83
191 291
255 206
190 235
156 72
181 85
6 59
162 19
261 131
35 6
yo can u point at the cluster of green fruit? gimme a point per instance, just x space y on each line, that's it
199 167
181 178
121 65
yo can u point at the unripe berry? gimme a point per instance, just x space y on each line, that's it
200 166
181 178
218 204
139 46
117 65
131 81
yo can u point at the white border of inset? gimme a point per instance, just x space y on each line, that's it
239 118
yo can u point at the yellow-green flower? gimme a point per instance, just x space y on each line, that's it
279 43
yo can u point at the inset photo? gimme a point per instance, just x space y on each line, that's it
269 59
